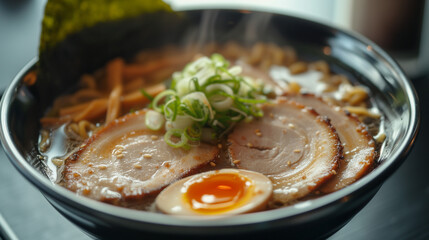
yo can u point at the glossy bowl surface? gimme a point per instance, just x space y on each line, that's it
346 53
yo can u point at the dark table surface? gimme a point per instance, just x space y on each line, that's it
400 210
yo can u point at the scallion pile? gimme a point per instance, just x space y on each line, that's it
204 102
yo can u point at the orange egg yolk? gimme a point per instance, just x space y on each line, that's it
218 193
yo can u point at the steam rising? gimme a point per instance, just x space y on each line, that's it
247 29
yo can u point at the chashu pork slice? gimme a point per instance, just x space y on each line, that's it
358 145
127 161
292 145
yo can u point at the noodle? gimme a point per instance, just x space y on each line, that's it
73 127
74 110
290 56
256 54
338 79
86 94
133 85
83 111
231 50
114 104
114 80
91 104
45 141
88 81
136 98
265 64
355 95
321 66
84 128
294 87
81 129
53 121
298 67
93 111
361 111
132 71
114 73
278 56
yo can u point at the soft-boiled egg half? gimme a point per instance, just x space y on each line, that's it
218 192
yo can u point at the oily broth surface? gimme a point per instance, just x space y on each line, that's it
62 141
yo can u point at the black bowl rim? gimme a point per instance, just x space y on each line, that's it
65 196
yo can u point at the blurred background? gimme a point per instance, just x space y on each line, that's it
400 209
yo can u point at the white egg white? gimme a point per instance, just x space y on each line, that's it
171 200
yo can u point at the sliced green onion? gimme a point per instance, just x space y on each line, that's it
196 84
252 101
196 110
146 94
239 111
160 96
257 112
171 112
235 70
176 133
206 100
201 97
193 132
182 122
154 120
220 96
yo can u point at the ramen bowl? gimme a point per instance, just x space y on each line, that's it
346 53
